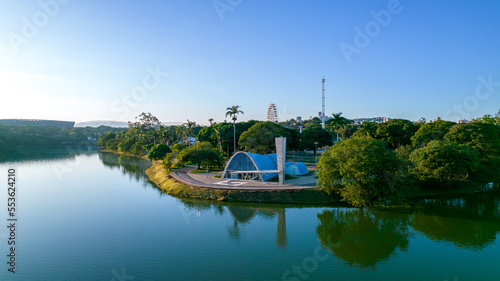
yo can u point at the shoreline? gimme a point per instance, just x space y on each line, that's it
159 176
164 181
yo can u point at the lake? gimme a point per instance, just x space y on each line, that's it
88 215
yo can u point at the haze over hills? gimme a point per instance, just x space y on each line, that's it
97 123
115 124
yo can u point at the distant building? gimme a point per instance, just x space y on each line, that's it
38 123
358 121
463 121
321 116
437 119
299 118
272 113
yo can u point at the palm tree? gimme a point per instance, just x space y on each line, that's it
211 120
218 136
189 129
180 131
233 111
338 122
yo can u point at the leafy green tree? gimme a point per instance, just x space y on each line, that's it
227 136
315 121
126 144
293 138
396 132
104 139
431 131
365 170
112 144
422 121
208 134
233 111
404 151
348 131
201 154
158 152
146 122
168 161
444 162
139 148
260 138
485 140
368 129
313 134
488 119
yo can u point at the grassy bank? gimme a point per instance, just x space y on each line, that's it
169 185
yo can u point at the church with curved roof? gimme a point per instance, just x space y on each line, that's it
251 166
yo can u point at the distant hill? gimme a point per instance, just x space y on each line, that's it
97 123
115 124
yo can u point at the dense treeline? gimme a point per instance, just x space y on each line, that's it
14 138
147 133
379 164
176 144
370 164
258 137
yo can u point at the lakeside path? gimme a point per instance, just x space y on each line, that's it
202 180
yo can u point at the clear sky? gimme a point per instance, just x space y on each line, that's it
190 59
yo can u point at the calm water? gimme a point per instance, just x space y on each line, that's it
86 215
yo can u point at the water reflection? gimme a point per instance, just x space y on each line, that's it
362 237
134 167
469 222
359 237
242 215
45 153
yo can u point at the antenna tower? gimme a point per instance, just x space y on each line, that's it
323 102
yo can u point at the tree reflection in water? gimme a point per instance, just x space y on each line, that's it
361 237
47 153
242 215
133 167
471 222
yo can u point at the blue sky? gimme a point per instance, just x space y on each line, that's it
186 59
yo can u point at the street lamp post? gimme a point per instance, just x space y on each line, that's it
234 132
315 152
